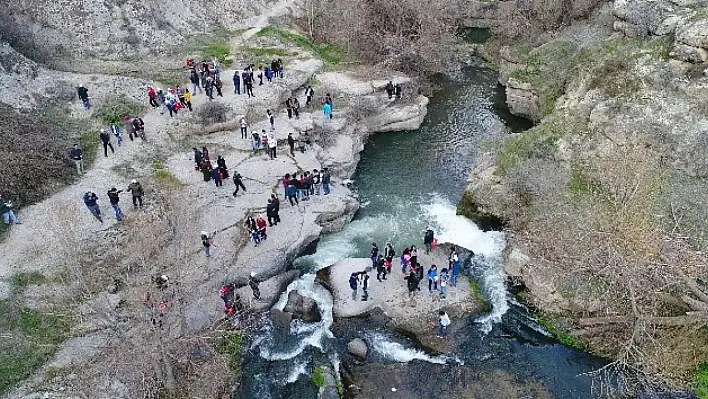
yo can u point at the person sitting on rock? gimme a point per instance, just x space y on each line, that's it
261 224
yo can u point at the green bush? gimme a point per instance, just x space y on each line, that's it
116 110
318 377
700 381
232 346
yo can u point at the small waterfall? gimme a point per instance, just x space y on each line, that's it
392 350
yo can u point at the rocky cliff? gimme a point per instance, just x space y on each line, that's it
605 196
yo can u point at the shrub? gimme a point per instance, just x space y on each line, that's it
318 377
115 111
212 112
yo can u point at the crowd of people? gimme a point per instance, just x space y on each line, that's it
413 273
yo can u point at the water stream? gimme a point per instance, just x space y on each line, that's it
406 182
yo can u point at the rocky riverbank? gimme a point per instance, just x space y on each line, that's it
607 94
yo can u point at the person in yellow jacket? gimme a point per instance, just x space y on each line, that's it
188 99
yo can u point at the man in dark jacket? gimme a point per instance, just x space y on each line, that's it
428 240
77 155
365 286
7 213
91 202
237 82
380 268
353 284
412 282
114 198
254 286
194 78
291 144
238 182
389 89
325 181
83 96
272 213
106 140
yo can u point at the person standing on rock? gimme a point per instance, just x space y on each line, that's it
271 118
444 280
7 213
237 82
272 146
296 107
248 82
380 268
216 176
84 96
136 189
398 89
291 144
389 252
115 129
327 108
428 240
244 127
456 268
91 202
374 254
194 78
113 197
412 283
77 155
276 201
309 93
207 242
257 141
353 284
272 213
198 158
316 182
389 89
238 182
218 84
254 286
188 99
325 181
432 278
152 97
301 142
414 255
262 229
289 107
128 126
138 127
365 285
291 193
221 164
443 323
106 140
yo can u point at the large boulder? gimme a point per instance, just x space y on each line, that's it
522 100
303 308
280 318
399 117
358 348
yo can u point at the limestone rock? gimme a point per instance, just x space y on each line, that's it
694 34
280 318
303 308
522 100
358 348
509 62
270 290
640 17
399 117
687 53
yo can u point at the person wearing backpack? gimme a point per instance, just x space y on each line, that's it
257 141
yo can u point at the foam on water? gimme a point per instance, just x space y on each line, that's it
487 245
395 351
306 334
299 369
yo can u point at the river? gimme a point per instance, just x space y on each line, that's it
406 182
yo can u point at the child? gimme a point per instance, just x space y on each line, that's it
405 262
387 264
256 237
444 278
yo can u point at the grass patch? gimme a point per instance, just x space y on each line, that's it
31 337
331 55
232 346
340 389
115 111
266 51
21 280
700 381
164 176
477 294
550 324
217 45
318 377
4 231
